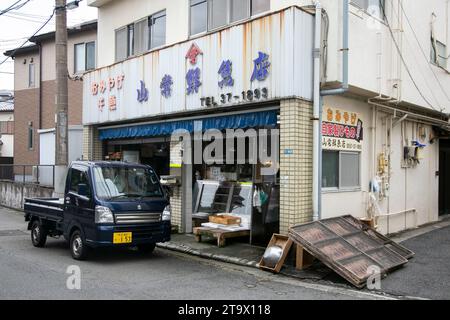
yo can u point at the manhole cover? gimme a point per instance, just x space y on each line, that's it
10 233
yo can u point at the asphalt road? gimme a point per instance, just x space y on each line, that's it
427 275
31 273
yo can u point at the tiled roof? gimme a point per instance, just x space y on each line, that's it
6 106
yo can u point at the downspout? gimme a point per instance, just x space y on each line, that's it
316 112
317 149
40 86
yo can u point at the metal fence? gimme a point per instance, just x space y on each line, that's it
43 175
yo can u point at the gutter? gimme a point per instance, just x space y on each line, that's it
318 102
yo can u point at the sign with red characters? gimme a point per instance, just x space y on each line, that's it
341 130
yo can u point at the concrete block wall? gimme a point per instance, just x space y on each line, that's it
12 193
295 163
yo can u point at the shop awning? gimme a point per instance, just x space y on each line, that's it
235 121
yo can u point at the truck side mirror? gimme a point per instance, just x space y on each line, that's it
83 190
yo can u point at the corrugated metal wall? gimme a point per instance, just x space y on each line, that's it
286 36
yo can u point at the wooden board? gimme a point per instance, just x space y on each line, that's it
225 219
346 246
285 243
303 259
219 234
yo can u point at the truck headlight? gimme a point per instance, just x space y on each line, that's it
166 214
103 215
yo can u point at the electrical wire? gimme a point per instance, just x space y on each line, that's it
14 6
423 51
26 41
403 58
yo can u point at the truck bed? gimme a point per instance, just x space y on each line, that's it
48 208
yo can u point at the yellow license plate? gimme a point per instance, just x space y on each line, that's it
122 237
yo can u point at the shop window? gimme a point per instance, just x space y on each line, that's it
31 76
340 170
84 56
206 15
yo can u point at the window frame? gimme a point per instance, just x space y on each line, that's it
435 55
365 9
150 24
30 138
125 29
32 78
209 28
340 188
84 173
190 16
85 54
131 29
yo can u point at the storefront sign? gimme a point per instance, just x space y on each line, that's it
241 64
229 98
107 91
341 130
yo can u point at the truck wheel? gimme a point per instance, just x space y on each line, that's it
78 246
38 234
146 248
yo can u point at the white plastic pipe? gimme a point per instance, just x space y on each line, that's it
316 113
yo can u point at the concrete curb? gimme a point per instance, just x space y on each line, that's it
187 250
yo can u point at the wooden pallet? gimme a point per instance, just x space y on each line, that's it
219 234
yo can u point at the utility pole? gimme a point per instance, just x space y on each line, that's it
61 98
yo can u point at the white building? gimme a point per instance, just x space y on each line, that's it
392 123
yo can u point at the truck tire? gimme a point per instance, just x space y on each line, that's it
38 234
78 247
146 248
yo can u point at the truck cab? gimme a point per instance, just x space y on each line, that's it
106 204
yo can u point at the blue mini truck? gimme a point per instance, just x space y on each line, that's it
106 204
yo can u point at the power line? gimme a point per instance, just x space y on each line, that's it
14 6
423 52
24 19
26 41
403 59
9 8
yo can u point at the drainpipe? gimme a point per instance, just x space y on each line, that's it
316 112
317 149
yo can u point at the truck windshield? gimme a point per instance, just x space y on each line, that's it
126 182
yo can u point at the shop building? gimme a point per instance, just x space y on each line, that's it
161 70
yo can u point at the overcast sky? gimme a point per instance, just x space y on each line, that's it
17 26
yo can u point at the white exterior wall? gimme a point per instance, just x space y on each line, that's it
368 38
413 188
48 51
7 149
47 151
